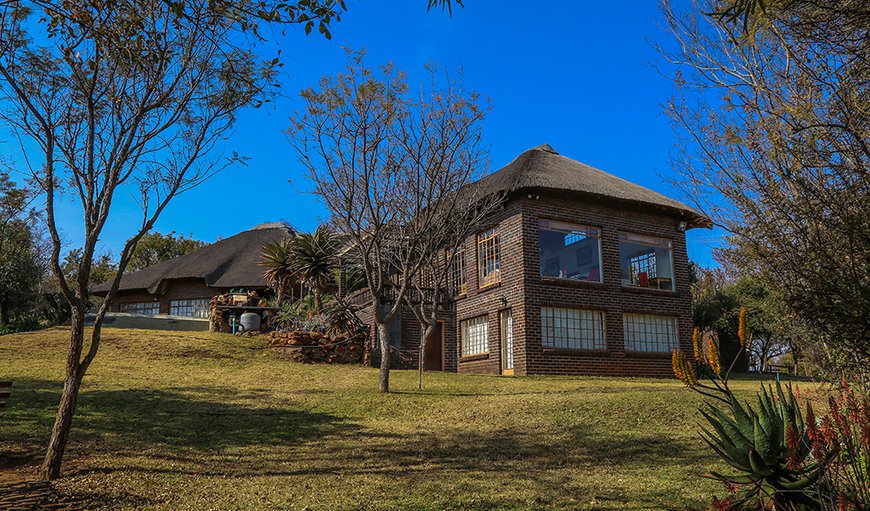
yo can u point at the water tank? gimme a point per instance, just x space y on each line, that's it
250 322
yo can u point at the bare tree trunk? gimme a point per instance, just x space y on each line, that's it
318 306
424 340
384 340
63 420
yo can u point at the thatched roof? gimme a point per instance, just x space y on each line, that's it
226 264
542 168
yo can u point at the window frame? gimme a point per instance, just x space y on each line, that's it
673 328
193 304
140 307
565 316
488 241
552 226
458 272
481 342
625 236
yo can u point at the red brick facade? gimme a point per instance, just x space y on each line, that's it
524 291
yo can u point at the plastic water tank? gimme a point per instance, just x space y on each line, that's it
250 322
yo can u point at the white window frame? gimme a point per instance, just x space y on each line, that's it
474 336
653 333
573 328
199 307
588 231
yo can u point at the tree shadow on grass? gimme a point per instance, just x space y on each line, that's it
221 432
194 419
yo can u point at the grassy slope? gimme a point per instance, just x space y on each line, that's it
207 421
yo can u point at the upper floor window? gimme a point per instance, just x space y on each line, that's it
474 334
198 308
646 261
141 308
572 328
648 332
570 251
458 284
488 257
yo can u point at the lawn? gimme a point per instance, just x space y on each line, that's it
200 421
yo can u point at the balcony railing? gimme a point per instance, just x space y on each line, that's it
363 297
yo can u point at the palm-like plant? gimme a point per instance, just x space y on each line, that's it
314 261
277 258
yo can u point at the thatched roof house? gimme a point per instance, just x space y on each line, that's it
183 285
542 168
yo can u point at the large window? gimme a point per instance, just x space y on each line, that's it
570 251
647 332
458 284
141 308
646 261
488 257
474 336
198 308
572 328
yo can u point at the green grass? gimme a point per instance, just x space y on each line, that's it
202 421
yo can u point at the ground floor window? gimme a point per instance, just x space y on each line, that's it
572 328
195 308
474 334
648 332
141 307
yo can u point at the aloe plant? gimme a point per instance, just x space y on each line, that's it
769 446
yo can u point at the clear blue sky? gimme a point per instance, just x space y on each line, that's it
579 76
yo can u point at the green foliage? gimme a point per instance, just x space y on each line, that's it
20 266
314 260
768 445
280 273
155 247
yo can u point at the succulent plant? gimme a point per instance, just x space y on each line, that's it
769 446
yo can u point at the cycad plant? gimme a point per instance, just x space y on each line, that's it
277 258
314 260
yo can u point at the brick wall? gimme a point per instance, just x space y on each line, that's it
522 290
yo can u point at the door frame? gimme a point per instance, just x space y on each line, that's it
503 345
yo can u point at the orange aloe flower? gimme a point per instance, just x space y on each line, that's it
713 357
743 329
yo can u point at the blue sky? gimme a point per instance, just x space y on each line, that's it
579 76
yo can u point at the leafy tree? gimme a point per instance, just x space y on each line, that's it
775 133
20 268
385 162
155 247
277 258
20 271
314 260
130 97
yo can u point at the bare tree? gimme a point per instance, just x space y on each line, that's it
774 117
133 95
461 215
387 164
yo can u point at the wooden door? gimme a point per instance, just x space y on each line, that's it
506 332
435 349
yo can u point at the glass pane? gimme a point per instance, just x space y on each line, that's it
570 251
646 261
